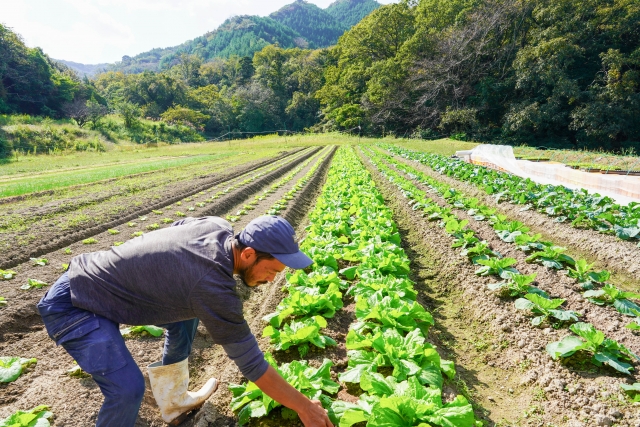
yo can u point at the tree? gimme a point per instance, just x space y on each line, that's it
78 111
96 112
185 116
130 113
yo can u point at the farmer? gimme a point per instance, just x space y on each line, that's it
172 278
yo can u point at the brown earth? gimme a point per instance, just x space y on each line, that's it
52 232
46 382
609 252
500 357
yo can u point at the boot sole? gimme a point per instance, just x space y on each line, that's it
182 417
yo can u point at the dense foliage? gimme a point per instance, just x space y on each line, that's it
546 72
30 82
350 12
318 27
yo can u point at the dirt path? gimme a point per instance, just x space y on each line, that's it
500 357
77 401
611 253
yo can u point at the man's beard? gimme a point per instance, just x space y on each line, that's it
242 289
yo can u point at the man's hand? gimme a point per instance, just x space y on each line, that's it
315 415
310 412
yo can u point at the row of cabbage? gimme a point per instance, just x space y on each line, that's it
546 310
356 248
545 253
275 209
579 207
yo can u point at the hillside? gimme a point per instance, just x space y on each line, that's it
350 12
299 24
84 69
318 27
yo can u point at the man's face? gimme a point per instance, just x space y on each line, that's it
260 272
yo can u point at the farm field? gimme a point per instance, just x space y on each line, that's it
430 302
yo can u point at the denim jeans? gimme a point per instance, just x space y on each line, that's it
97 346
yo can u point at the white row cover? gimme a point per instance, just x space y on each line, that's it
622 188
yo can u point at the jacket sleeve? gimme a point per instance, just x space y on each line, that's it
248 356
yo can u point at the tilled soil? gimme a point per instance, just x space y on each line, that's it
62 222
500 357
608 251
77 401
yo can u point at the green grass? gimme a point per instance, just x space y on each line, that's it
48 181
32 173
444 146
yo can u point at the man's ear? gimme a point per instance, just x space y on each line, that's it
248 254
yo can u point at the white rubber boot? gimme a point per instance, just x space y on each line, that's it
170 385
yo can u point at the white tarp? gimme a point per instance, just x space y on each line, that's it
623 189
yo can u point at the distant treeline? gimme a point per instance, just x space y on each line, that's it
555 73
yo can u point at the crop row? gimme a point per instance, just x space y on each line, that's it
545 253
152 221
54 232
579 207
279 184
491 263
356 248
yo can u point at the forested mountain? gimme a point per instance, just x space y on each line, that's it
300 24
314 24
30 82
350 12
239 35
83 69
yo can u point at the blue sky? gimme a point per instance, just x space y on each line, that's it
96 31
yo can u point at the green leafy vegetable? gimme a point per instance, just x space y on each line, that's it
144 329
498 267
39 261
312 382
518 285
34 284
7 274
544 308
632 390
552 257
588 339
11 367
307 301
611 295
403 404
299 333
37 417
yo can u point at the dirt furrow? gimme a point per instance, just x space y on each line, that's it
501 359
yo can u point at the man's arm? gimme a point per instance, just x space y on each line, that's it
247 355
310 412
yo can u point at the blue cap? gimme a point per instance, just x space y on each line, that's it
274 235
